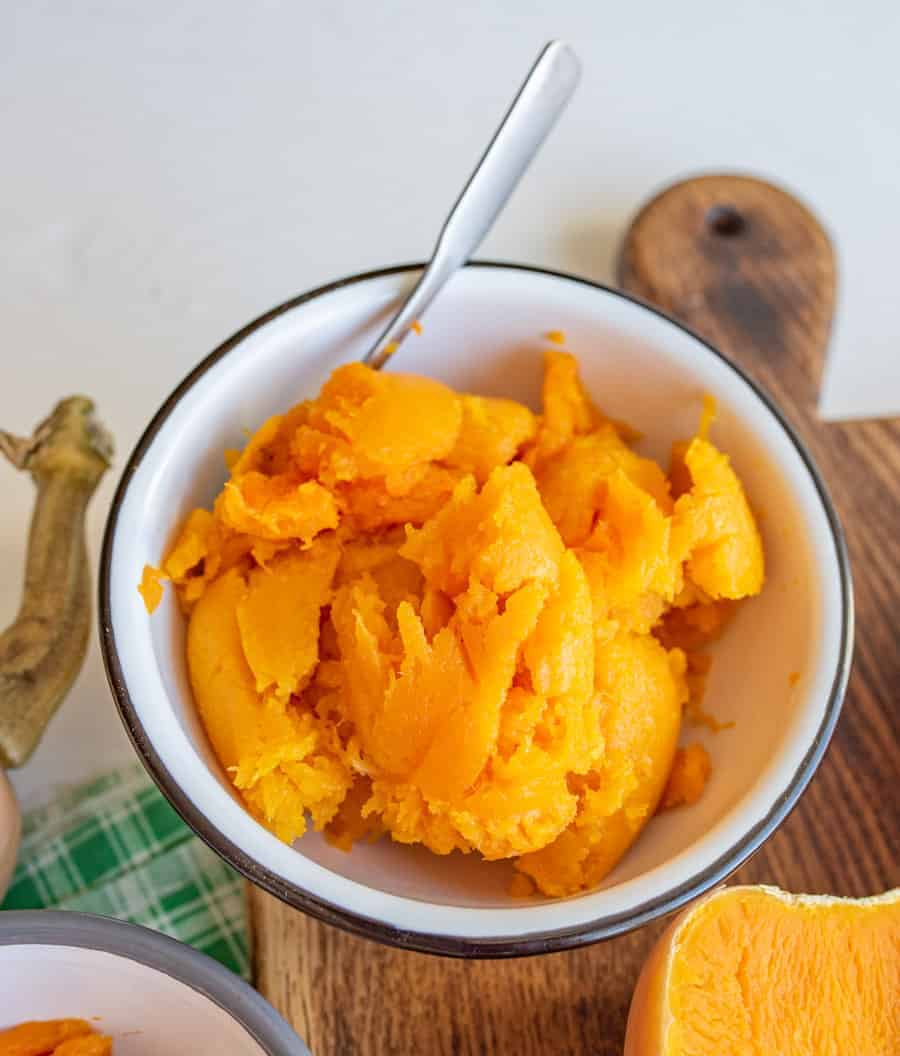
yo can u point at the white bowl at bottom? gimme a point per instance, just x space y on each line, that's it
779 673
154 996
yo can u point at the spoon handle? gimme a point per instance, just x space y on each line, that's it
534 111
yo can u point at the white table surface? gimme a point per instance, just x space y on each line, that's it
171 170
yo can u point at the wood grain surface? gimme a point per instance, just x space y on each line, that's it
749 268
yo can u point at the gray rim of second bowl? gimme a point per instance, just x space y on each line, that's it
450 945
54 927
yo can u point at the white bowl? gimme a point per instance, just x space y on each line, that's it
484 335
154 996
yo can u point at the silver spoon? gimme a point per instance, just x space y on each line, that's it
534 111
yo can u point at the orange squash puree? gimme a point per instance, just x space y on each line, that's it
446 618
151 587
690 770
56 1037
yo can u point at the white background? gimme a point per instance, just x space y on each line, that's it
171 170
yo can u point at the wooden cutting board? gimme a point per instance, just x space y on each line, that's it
749 268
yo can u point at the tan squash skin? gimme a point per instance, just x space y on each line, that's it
42 651
10 827
645 1032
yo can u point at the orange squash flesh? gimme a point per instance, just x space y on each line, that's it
641 689
690 770
91 1045
443 617
55 1037
753 970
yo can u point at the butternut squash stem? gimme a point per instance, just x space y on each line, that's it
42 651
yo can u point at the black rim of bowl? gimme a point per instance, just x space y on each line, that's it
451 945
64 928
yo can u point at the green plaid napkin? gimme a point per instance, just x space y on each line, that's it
115 846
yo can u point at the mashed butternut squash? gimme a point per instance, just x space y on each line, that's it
442 617
54 1037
